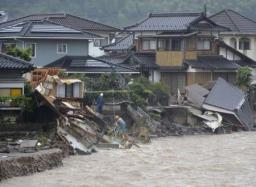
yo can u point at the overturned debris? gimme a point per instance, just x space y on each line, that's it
228 99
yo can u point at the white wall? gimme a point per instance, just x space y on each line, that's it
250 53
95 51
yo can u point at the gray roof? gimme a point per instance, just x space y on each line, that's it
88 64
213 62
147 60
196 94
235 21
115 58
125 43
68 20
166 22
228 97
11 63
43 29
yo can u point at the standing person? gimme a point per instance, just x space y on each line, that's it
100 103
121 125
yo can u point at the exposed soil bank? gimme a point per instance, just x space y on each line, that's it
20 164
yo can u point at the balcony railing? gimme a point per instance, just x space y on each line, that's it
174 58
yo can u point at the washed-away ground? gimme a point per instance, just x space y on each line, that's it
213 160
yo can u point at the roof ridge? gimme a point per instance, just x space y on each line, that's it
241 15
175 14
138 23
30 15
229 17
87 32
117 42
92 21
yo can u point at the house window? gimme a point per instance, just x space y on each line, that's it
244 44
100 42
203 44
161 44
32 46
148 44
62 48
233 43
69 90
175 45
6 45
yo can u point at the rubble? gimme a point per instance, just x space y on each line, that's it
220 108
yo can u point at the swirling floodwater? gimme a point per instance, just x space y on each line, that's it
212 160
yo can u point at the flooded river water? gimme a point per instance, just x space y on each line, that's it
214 160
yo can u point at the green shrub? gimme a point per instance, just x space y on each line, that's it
26 103
24 54
244 77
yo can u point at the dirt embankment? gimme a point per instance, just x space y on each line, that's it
20 164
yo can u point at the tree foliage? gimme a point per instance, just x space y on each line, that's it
21 53
244 77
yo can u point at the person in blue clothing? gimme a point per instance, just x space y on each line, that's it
100 103
121 125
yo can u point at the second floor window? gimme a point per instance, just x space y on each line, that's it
203 44
161 44
32 46
175 45
62 48
233 43
100 42
244 44
149 44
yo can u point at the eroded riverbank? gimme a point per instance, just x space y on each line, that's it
214 160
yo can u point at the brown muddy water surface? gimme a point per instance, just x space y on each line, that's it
214 160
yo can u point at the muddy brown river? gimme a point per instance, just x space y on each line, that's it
214 160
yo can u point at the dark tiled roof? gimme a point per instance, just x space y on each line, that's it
82 23
147 60
125 43
42 29
235 21
216 62
11 63
66 20
115 58
165 22
88 64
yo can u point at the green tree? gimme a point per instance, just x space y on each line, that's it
244 77
21 53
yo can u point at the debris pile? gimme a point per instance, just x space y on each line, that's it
222 108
